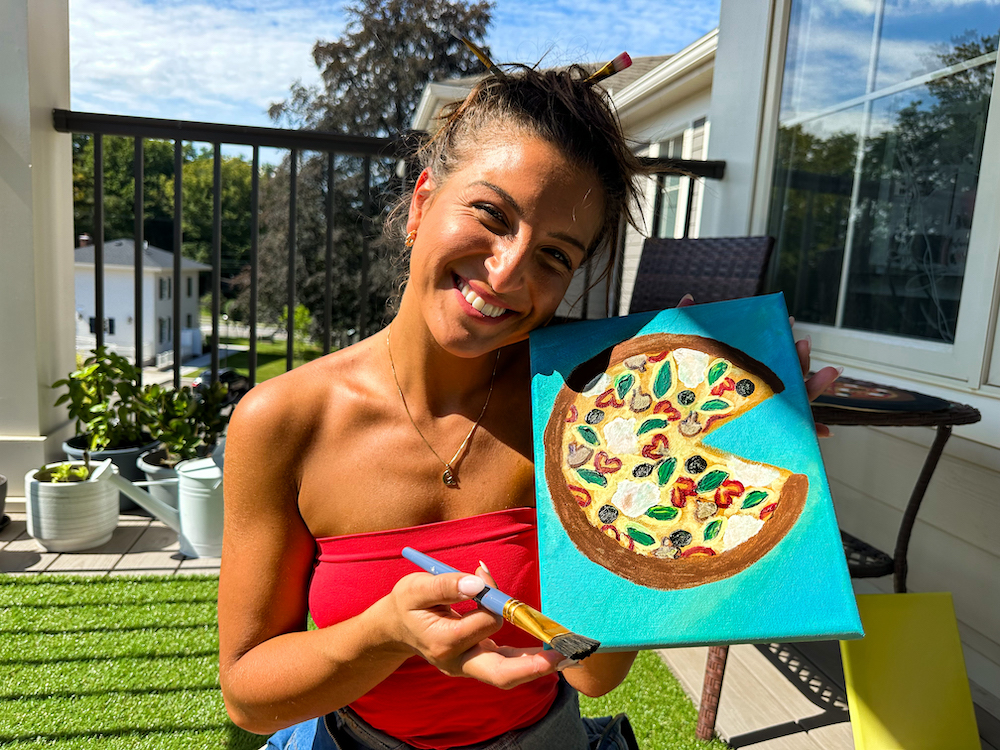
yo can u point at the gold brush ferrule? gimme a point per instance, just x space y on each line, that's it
532 621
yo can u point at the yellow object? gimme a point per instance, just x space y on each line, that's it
906 681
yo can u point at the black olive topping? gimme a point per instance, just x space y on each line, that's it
681 538
745 387
594 416
696 465
607 513
686 398
642 470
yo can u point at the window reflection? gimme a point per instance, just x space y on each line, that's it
918 182
896 206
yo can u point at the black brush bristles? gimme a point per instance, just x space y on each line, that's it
574 646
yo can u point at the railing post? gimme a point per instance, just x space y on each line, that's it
328 277
254 243
178 237
366 210
216 253
99 240
138 174
292 210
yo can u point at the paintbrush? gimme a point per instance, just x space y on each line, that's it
478 52
530 620
615 66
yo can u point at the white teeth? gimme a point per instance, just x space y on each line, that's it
490 311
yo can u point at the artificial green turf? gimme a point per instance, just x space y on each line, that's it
116 663
132 664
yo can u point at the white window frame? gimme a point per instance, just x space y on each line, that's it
962 364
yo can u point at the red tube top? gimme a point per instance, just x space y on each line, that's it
417 703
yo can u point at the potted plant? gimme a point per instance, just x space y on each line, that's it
105 399
188 423
71 505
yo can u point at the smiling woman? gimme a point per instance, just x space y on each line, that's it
334 467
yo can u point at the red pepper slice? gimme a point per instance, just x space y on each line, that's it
573 414
657 357
657 449
665 407
608 398
729 489
767 511
581 495
605 464
725 385
683 489
691 551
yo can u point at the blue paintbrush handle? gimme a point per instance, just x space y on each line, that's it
490 598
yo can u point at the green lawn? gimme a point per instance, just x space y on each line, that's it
270 358
131 664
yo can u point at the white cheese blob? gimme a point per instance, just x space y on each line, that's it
635 498
619 436
691 366
752 474
602 384
739 529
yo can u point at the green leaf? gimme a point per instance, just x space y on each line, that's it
651 424
623 383
593 477
754 498
666 470
662 513
589 435
640 536
712 530
662 383
717 370
712 480
716 404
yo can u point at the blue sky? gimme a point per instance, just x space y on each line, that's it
226 60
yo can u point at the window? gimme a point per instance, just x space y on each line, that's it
189 280
161 325
188 317
109 326
672 191
881 129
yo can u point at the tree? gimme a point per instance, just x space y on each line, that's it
373 78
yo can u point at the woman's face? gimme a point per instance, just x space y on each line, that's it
497 244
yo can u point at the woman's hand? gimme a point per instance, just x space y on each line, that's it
460 645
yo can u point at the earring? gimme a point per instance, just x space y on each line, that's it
411 238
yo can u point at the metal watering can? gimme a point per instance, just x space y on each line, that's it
197 519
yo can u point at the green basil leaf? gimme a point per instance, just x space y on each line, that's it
594 477
651 424
589 435
623 383
717 370
666 470
662 383
662 513
716 404
712 480
640 536
712 530
754 498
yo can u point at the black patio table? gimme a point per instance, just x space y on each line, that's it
850 402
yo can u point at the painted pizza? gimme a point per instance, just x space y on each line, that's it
631 479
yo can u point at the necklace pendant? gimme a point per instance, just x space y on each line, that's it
449 478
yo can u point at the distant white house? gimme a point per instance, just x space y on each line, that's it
158 290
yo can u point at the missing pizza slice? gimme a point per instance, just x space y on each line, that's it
633 484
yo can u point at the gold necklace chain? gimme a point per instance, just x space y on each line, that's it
449 477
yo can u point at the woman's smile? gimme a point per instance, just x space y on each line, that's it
498 242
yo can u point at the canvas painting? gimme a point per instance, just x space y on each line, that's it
681 493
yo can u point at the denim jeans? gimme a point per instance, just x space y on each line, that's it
560 729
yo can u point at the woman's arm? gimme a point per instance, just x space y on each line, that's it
273 672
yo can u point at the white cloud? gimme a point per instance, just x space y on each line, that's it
146 58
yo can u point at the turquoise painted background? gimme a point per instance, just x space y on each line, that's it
800 590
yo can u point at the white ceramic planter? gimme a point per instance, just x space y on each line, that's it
71 516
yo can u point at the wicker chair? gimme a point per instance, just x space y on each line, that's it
710 269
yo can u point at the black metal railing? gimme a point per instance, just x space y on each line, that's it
295 141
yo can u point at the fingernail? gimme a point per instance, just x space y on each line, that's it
483 566
471 585
687 297
840 371
567 664
791 320
809 340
